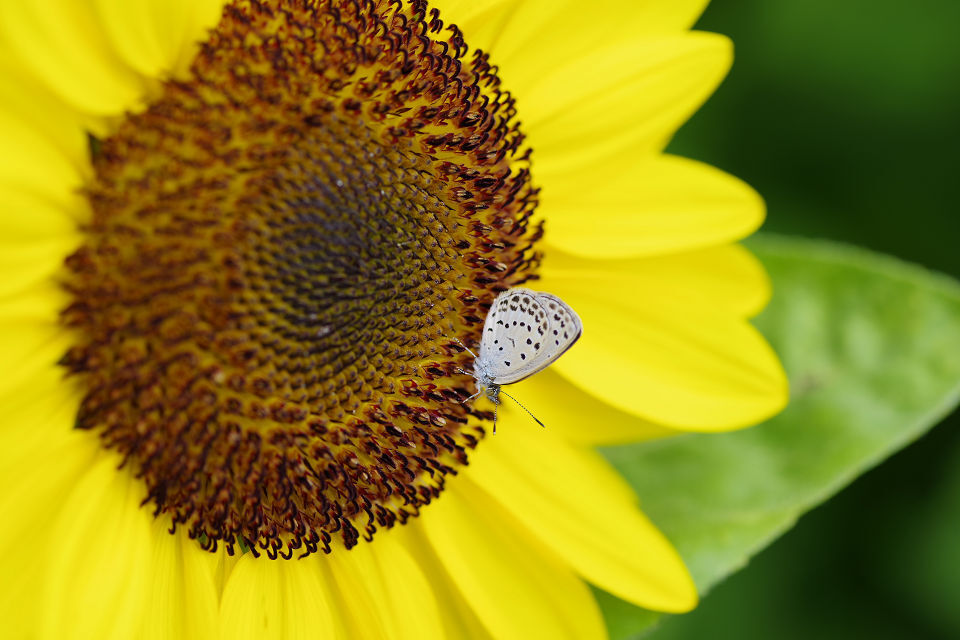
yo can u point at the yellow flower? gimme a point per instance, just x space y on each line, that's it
231 278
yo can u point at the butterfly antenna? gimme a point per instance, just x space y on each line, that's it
496 407
537 420
465 347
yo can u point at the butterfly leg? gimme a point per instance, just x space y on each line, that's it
471 397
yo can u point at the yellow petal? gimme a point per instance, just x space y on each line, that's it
28 347
38 437
41 171
414 612
722 280
34 483
384 592
575 414
34 162
31 217
515 589
223 566
459 620
532 37
39 414
528 36
33 265
135 29
37 304
480 22
577 506
702 371
276 599
252 600
354 583
183 603
627 95
97 578
154 37
197 18
621 206
62 42
25 103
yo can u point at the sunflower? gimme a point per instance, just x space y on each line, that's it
242 243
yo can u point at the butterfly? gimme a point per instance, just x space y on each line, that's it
525 332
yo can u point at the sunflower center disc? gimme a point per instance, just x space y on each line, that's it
281 249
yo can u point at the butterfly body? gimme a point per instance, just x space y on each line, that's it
486 385
525 331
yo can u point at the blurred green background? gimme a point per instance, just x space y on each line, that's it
846 117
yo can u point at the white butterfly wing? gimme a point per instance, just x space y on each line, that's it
524 332
564 326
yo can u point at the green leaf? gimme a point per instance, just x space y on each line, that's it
872 349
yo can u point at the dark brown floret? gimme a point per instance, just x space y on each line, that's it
281 250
